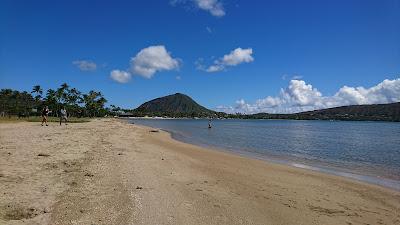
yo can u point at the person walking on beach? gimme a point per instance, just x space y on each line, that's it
63 115
45 114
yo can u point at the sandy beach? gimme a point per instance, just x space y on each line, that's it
109 172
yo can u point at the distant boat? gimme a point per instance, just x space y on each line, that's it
209 124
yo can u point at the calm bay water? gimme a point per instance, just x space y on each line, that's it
368 151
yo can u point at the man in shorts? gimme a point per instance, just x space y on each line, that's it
63 115
45 114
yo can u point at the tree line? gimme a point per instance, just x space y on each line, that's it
77 103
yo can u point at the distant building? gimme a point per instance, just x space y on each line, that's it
125 114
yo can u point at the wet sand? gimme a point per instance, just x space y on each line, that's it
110 172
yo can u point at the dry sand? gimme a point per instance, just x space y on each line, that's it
110 172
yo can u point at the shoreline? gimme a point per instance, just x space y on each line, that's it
206 118
336 171
110 172
369 179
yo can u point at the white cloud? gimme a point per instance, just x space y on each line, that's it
234 58
300 96
151 60
215 68
120 76
214 7
85 65
238 56
385 92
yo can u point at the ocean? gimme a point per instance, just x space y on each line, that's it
366 151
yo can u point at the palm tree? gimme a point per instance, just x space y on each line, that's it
50 95
94 103
38 91
5 96
26 103
89 101
51 99
101 101
64 86
61 96
74 97
61 93
115 109
91 104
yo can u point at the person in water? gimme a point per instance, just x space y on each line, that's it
209 124
63 115
45 114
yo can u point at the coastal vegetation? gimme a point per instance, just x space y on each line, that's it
24 104
21 104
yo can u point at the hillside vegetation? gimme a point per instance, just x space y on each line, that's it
176 105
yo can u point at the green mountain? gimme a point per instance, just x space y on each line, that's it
176 105
376 112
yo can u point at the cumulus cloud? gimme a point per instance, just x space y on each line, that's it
151 60
300 96
214 7
120 76
146 63
85 65
234 58
238 56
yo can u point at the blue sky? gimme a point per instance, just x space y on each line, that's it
302 52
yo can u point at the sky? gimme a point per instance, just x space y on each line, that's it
229 55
